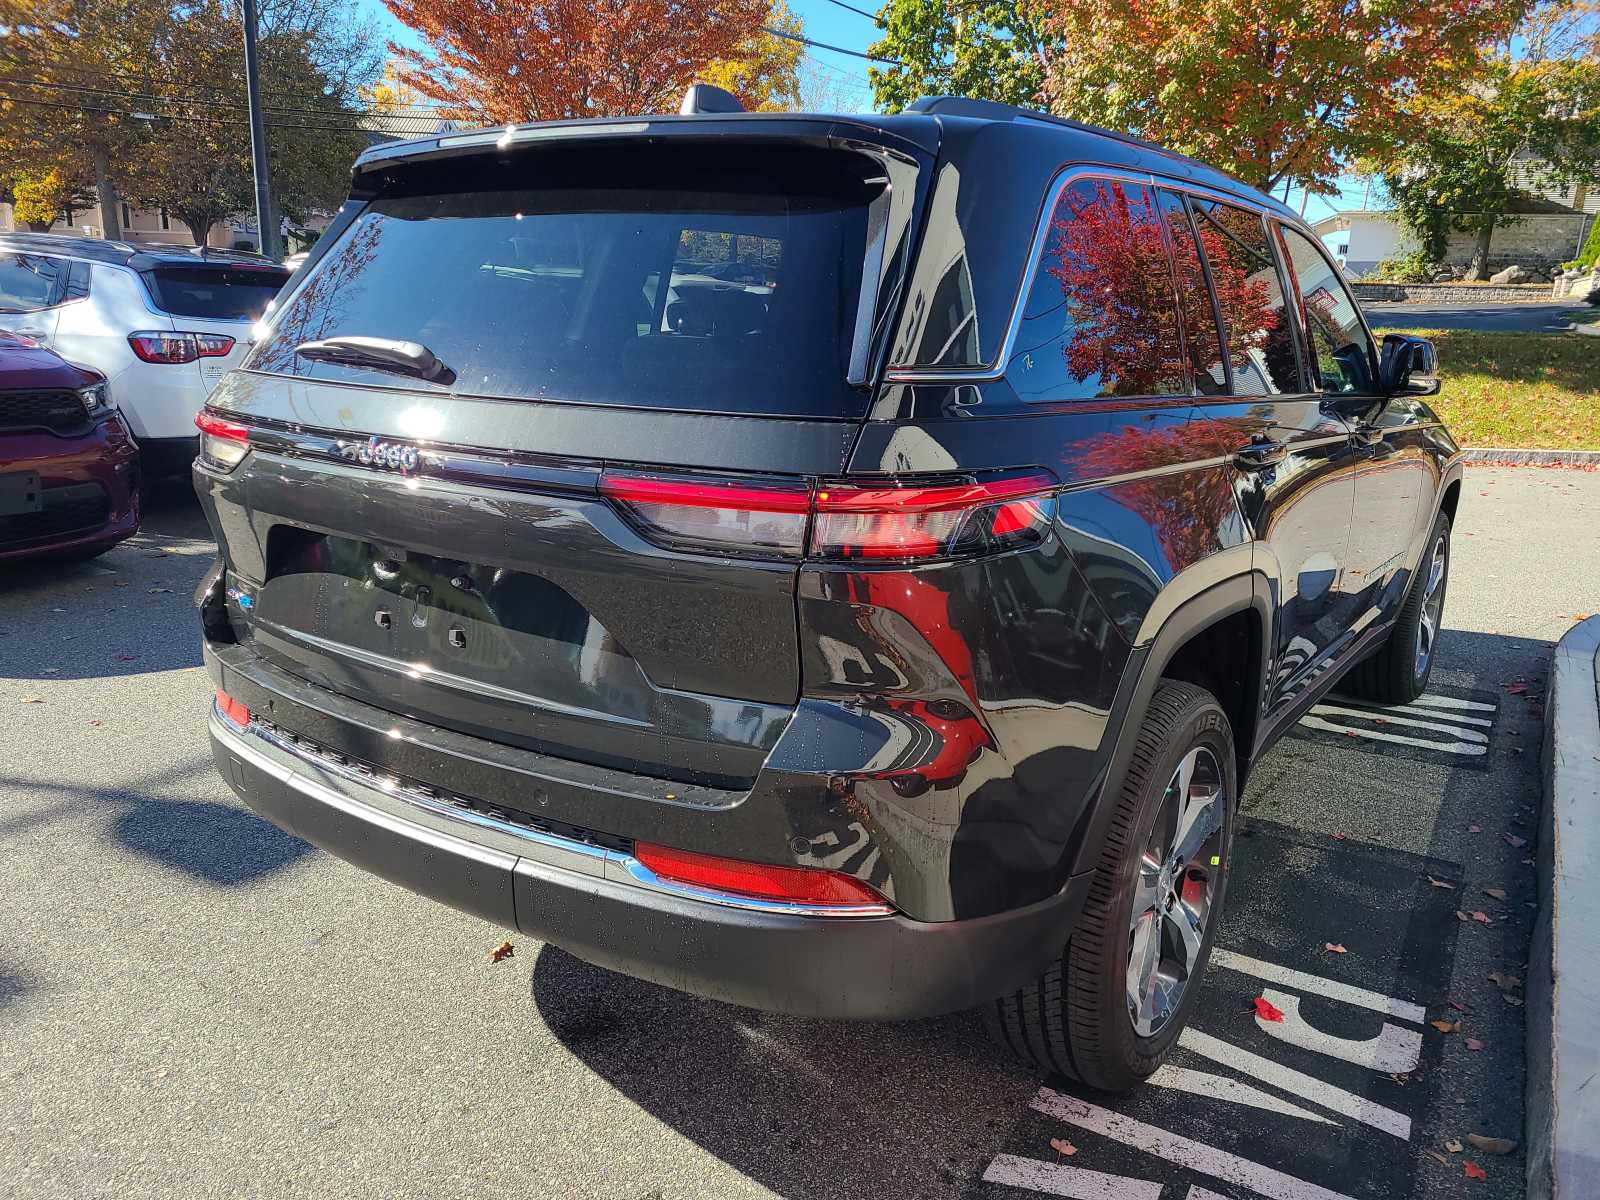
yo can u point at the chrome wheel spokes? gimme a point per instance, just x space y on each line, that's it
1174 885
1432 605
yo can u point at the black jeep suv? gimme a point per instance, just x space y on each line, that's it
838 565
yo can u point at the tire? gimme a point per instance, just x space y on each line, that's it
1398 671
1078 1018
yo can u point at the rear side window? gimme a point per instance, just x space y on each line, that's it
1194 299
1341 351
1250 297
732 289
30 282
221 293
1100 318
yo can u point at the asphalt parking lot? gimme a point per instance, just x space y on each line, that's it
1522 318
194 1004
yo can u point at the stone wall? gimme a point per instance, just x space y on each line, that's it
1543 241
1452 293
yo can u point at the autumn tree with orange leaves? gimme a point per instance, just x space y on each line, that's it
502 61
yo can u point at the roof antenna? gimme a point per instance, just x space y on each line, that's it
705 98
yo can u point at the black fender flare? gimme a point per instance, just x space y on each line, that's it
1199 604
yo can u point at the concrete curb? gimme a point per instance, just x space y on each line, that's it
1508 456
1563 1088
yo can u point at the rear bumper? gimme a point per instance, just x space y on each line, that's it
599 903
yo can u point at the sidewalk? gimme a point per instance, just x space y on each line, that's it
1563 1103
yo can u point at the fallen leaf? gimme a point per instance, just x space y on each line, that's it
1453 1146
1495 893
1458 1006
153 591
1581 616
1481 918
97 722
1062 1146
1461 916
1339 837
1501 980
1334 948
1265 1010
32 700
1514 841
1445 1025
1511 1000
1474 1044
503 950
1474 1171
1440 883
1435 1154
1516 689
1492 1145
1474 828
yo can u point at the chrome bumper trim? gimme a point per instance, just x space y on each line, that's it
537 847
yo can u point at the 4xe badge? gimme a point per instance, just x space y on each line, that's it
377 453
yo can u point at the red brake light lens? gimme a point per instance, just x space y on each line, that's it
168 348
943 520
798 885
232 709
709 514
223 443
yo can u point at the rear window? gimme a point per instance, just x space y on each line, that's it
221 293
694 286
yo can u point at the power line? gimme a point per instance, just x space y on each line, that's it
852 8
201 120
157 99
795 37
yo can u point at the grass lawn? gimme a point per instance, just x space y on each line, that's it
1525 390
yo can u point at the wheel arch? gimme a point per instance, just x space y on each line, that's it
1217 638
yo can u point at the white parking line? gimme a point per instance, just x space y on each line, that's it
1307 1087
1466 732
1393 1051
1182 1151
1388 718
1333 989
1431 701
1218 1087
1059 1179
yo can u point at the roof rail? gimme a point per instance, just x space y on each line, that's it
993 110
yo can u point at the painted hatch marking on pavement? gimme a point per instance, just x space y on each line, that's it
1435 727
1325 1105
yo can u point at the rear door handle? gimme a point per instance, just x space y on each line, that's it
1259 455
1367 435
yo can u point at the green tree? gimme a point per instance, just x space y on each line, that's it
1455 169
985 49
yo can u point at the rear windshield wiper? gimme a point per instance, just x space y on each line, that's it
379 354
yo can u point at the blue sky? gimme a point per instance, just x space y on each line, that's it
838 26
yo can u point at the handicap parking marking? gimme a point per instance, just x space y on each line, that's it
1326 1104
1450 727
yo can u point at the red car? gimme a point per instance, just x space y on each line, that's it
69 468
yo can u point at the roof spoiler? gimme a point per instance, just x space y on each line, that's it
704 98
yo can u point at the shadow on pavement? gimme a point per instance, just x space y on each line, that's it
12 987
809 1109
223 845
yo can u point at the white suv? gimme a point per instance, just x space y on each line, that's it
162 323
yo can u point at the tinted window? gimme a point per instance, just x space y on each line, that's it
1250 297
1341 351
731 293
29 282
1194 300
225 294
1100 318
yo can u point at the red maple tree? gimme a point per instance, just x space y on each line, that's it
502 61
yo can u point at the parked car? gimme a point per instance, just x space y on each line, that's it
898 648
69 470
161 323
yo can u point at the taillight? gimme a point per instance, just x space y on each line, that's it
223 444
712 514
232 709
935 520
811 886
157 346
892 521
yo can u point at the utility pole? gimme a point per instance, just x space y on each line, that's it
265 221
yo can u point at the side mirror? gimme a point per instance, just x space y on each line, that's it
1408 366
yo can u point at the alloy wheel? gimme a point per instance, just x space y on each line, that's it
1432 606
1173 891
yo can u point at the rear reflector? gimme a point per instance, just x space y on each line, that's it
883 522
223 443
796 885
232 709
